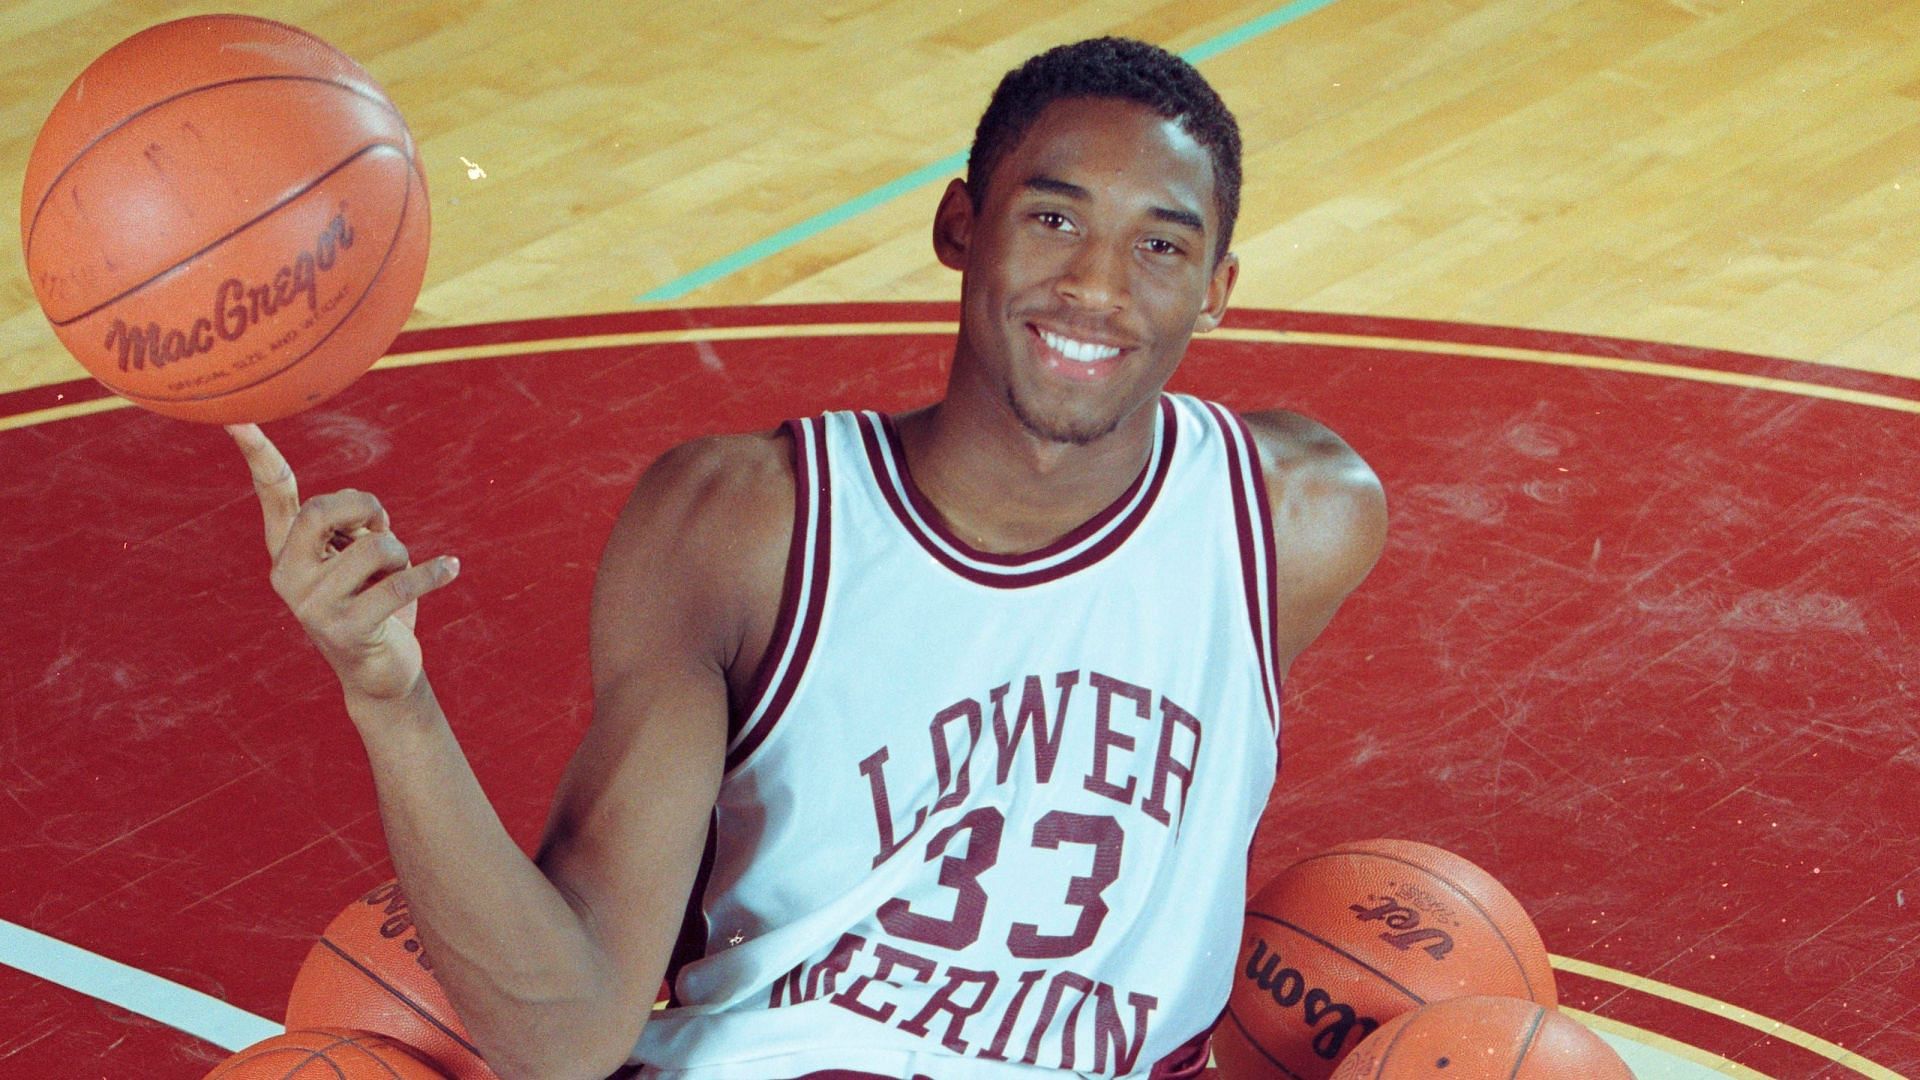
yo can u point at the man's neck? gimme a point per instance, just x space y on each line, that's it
1003 489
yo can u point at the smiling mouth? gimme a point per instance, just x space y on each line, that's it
1080 352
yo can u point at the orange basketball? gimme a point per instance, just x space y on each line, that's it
1482 1038
326 1054
225 219
1343 941
368 972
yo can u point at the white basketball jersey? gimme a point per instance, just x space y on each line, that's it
988 815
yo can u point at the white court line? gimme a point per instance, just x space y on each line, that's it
172 1004
233 1028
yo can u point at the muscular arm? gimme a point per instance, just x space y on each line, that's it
552 963
1329 523
686 592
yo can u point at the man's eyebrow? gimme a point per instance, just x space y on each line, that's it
1180 217
1169 214
1043 182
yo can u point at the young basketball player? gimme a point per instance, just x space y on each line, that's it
923 745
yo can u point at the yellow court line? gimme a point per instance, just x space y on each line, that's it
1778 1029
63 412
678 336
1685 1051
1579 360
689 335
681 336
1775 1028
1275 337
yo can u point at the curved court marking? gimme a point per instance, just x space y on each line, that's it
1634 1043
104 978
1256 336
232 1028
1785 1032
940 170
1565 359
151 996
693 335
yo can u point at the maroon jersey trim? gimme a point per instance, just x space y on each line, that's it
848 1074
1188 1061
803 596
1270 660
1253 526
1091 541
695 929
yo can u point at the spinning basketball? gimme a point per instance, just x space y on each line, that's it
225 220
368 972
1343 941
326 1054
1482 1038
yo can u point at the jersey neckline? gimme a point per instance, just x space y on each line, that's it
1088 543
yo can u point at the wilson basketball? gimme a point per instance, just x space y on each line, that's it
1343 941
326 1054
224 219
368 973
1483 1038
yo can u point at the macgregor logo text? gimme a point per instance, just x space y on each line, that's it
237 306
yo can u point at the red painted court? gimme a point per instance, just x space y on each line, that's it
1645 644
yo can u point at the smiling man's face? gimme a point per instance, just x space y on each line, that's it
1088 266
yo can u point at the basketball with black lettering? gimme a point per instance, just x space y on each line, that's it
225 219
1343 941
368 972
326 1054
1483 1038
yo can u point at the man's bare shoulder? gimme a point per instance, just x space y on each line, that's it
719 482
1329 521
701 544
1306 463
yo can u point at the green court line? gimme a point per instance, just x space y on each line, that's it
939 170
805 230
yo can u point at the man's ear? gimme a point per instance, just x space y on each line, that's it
953 226
1219 287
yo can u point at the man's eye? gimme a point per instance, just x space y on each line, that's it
1052 219
1162 247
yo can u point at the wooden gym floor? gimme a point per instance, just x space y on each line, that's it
1619 296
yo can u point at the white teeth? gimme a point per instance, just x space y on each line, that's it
1080 351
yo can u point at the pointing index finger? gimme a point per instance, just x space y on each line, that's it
273 481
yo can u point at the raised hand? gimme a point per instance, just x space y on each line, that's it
344 575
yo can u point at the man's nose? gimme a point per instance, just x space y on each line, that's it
1096 275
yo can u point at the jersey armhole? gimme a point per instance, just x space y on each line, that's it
1253 528
802 596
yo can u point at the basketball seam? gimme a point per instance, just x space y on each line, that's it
402 998
1323 942
53 185
1512 953
230 234
386 259
385 1065
325 1056
312 1056
1247 1036
1380 1069
1526 1044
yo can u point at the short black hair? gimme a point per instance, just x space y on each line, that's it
1112 67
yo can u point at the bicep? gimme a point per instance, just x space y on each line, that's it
629 823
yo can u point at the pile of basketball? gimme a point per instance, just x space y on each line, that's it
365 1003
1391 960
